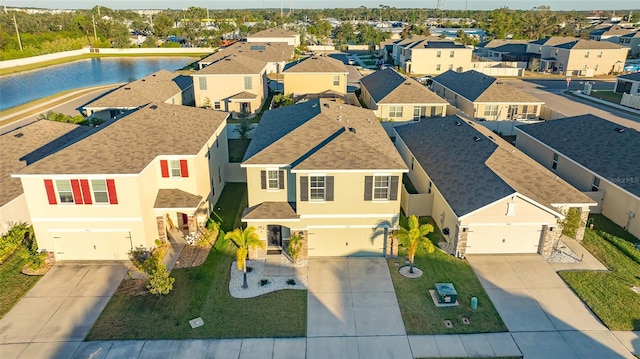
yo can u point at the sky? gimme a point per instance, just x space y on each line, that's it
315 4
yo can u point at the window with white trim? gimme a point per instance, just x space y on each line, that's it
273 179
439 54
217 105
438 66
248 85
491 110
317 188
202 81
450 66
511 209
395 111
65 194
586 55
419 112
381 187
174 168
452 53
336 80
100 193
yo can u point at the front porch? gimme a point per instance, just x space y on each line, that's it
180 216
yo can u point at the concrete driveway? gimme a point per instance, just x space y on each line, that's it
57 314
538 307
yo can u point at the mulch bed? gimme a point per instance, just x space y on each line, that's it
192 256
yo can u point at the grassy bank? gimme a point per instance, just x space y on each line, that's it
14 284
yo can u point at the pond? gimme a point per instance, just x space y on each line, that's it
24 87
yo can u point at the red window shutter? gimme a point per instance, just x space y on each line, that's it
77 193
111 189
184 168
51 193
86 191
164 167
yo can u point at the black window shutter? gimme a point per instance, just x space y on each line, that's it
304 188
263 179
394 188
281 179
368 187
328 196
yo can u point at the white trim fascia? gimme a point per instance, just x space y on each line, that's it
330 216
421 104
509 224
272 220
525 198
76 175
13 200
88 230
389 171
177 208
510 103
602 178
265 166
88 219
590 204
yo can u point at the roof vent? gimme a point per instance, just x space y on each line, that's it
227 59
352 130
175 114
339 118
314 105
127 88
458 123
154 75
619 129
326 105
476 138
499 83
153 107
492 139
18 135
143 80
407 83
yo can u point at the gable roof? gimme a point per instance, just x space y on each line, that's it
634 76
596 144
28 144
589 45
472 173
322 135
156 87
274 32
388 86
257 51
128 145
478 87
554 40
176 198
316 64
233 64
492 44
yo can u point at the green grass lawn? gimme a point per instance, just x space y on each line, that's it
204 292
237 148
14 284
608 294
419 313
610 96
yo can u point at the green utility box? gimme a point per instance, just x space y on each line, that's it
446 293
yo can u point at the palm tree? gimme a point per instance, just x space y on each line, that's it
244 240
413 237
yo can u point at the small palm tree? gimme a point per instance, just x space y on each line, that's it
384 228
413 237
244 240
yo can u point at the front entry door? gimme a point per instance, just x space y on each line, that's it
274 236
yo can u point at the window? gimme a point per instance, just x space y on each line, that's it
247 83
203 82
413 159
490 110
336 80
272 179
419 112
100 193
586 55
381 186
511 209
529 111
451 67
64 191
595 68
430 185
219 175
174 168
395 111
217 105
554 163
600 55
452 53
438 67
317 188
595 185
439 53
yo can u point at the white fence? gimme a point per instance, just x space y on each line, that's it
629 100
415 204
547 113
506 127
502 71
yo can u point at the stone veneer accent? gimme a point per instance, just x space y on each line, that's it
304 253
193 224
550 240
162 229
584 217
461 247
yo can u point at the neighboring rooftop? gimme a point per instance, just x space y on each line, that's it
316 64
605 148
554 40
323 135
472 167
589 45
270 210
478 87
233 64
257 51
129 144
279 32
634 76
388 86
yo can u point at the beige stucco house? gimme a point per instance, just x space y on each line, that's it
161 86
274 54
432 57
596 156
327 172
485 196
276 35
481 96
315 75
158 169
397 98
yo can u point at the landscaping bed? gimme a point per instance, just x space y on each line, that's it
609 294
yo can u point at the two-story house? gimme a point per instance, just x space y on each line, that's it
276 35
159 168
432 57
315 75
327 172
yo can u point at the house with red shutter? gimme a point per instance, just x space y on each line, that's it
160 168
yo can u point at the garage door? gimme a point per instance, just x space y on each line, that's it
341 242
92 245
503 239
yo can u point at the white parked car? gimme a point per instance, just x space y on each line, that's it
351 61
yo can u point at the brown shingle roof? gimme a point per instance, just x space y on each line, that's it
175 198
233 64
388 86
129 144
260 51
316 64
589 45
279 32
157 87
270 210
29 144
322 135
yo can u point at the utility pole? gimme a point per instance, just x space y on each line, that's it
98 10
281 11
15 23
95 34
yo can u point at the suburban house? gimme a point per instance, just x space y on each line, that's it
235 79
632 41
275 35
485 196
432 57
579 57
395 97
610 33
315 75
161 86
629 83
24 146
327 172
159 169
480 96
501 49
596 156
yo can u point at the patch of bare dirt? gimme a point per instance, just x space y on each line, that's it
192 256
133 287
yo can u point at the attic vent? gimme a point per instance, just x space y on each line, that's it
458 123
326 105
153 107
18 135
175 114
407 83
476 138
619 129
339 118
471 123
227 59
491 138
143 80
127 88
352 130
499 83
154 75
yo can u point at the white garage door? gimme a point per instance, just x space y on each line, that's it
503 239
92 245
341 242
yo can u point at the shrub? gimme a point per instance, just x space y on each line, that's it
282 100
15 237
291 281
146 260
295 247
264 282
572 222
159 281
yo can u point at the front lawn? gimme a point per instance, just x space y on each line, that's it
14 284
419 313
610 96
609 294
204 292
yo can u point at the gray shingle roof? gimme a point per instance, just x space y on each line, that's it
478 87
634 76
554 40
323 135
388 86
589 45
128 145
176 198
471 174
316 64
233 64
594 143
258 51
